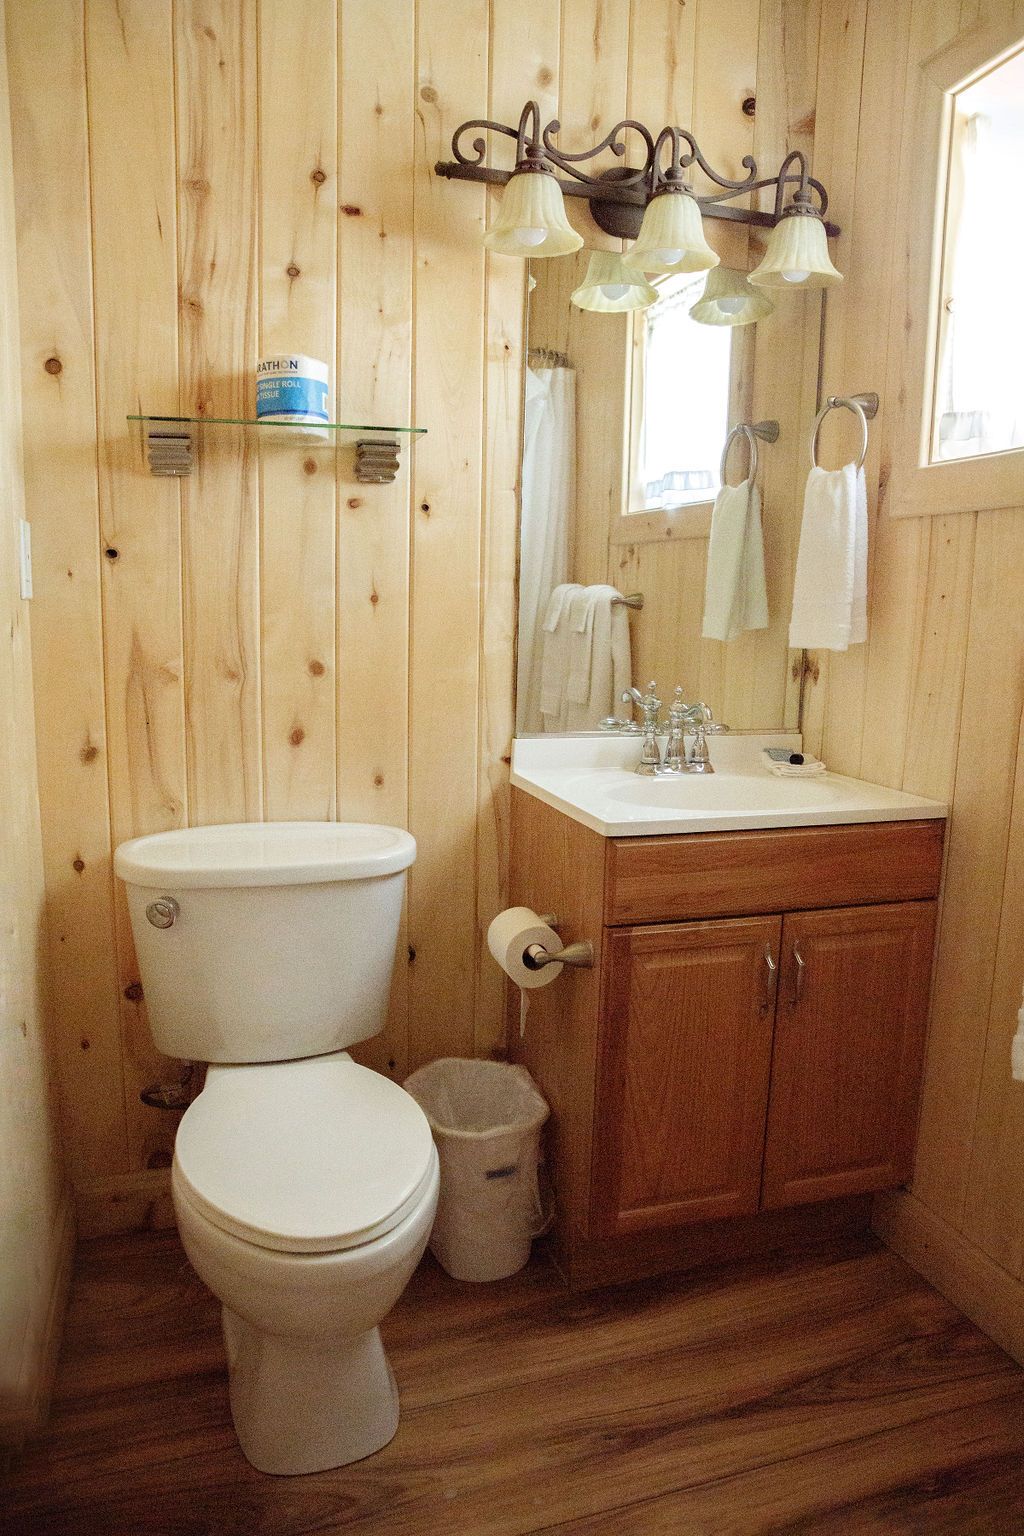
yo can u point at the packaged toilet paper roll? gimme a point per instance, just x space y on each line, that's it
511 934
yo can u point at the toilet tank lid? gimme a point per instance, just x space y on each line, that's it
264 853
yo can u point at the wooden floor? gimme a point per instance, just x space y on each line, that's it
835 1393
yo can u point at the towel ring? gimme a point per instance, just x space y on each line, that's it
768 431
863 407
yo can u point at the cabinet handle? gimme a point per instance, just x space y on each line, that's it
769 961
800 963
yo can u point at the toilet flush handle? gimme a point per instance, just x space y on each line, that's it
162 913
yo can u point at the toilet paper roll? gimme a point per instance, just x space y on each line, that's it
509 937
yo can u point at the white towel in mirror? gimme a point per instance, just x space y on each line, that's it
830 591
587 662
555 659
735 595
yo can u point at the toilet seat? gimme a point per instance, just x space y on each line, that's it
310 1156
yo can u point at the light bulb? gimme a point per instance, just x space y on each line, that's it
731 306
666 258
796 277
530 236
615 290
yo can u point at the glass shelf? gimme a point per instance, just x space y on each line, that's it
170 442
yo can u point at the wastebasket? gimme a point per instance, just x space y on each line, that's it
486 1117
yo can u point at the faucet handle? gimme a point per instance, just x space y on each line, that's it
680 711
650 703
707 722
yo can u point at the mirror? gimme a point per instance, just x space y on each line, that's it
625 421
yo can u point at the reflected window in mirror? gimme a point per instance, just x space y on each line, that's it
979 382
681 399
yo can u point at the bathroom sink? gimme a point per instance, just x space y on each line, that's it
698 793
592 780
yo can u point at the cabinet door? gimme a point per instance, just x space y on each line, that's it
683 1078
849 1041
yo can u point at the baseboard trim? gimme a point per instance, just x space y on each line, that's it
128 1202
988 1294
18 1421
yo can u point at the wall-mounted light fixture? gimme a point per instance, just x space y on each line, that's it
797 253
671 235
612 287
647 201
729 298
531 221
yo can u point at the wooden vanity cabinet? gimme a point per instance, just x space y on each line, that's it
848 1047
755 1063
743 1063
686 1049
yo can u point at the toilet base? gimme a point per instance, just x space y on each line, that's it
300 1407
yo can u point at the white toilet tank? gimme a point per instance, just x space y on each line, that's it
266 941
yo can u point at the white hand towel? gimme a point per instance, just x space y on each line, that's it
735 595
555 660
582 610
622 659
830 591
599 646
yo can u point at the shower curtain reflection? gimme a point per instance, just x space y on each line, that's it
548 491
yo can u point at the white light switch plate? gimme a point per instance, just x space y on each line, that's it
25 556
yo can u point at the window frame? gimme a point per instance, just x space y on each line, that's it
692 519
917 486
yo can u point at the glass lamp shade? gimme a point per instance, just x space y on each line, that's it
729 299
531 220
797 256
672 237
611 288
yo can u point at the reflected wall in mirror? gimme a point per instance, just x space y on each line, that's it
626 416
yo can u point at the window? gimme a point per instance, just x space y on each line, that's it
978 401
681 396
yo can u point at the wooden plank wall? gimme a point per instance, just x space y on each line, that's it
202 181
199 180
36 1231
934 702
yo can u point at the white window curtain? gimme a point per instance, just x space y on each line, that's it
548 498
980 403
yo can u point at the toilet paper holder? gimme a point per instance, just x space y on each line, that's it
580 954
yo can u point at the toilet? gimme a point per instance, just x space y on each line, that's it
304 1184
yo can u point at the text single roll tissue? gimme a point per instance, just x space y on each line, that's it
509 937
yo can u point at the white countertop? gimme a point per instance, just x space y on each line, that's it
592 780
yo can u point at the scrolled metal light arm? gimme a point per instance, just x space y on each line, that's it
619 195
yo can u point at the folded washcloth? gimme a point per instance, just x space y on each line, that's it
810 768
830 590
735 596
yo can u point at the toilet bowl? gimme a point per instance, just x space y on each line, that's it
304 1184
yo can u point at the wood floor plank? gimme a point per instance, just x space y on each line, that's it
809 1394
958 1472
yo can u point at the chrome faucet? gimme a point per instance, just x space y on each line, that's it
680 715
650 706
704 725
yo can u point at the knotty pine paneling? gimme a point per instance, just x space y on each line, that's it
269 640
934 702
53 223
36 1231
